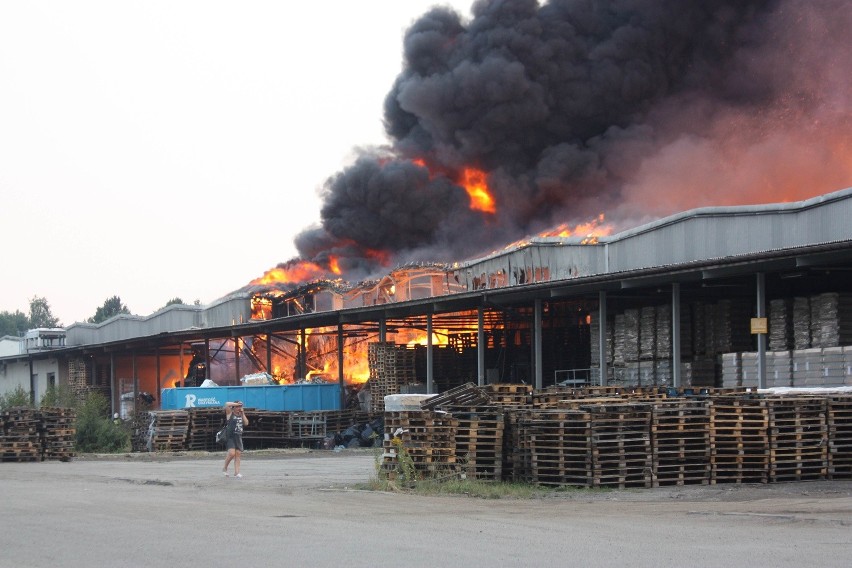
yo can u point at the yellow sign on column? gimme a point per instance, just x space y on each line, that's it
759 325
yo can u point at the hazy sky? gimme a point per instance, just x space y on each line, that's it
174 148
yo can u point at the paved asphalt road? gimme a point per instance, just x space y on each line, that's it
301 509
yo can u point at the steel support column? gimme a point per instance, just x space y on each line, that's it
480 348
237 359
340 379
112 388
676 379
303 354
539 379
602 338
430 376
206 359
159 385
135 380
32 382
761 337
269 353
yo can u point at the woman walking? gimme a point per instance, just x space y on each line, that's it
236 420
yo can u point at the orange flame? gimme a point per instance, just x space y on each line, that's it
333 265
473 181
299 271
412 338
590 230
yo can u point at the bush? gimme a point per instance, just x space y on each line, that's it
96 432
58 397
15 397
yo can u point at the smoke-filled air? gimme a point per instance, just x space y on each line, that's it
530 115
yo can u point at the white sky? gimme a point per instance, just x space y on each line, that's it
174 148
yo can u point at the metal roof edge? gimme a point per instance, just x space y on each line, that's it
731 210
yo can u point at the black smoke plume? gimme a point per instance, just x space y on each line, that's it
632 108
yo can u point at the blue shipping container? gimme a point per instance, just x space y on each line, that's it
298 397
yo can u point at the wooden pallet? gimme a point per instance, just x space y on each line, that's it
839 433
739 441
509 394
559 447
465 395
427 437
680 441
479 442
798 439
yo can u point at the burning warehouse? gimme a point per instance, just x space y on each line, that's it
681 151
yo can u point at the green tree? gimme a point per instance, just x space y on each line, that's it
112 307
13 323
95 431
173 301
40 314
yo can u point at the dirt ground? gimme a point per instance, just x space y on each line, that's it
303 508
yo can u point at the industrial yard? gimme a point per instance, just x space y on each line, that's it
304 508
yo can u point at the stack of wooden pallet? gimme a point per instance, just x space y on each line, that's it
479 441
140 430
466 395
839 424
798 438
266 428
509 394
427 438
515 448
620 445
337 421
203 425
78 378
680 439
169 430
390 366
556 448
739 442
58 433
20 436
